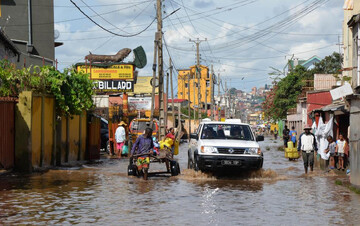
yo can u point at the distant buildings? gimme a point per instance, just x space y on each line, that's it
188 82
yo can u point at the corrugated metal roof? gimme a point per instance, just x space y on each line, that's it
334 107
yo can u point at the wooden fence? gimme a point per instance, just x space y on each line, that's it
7 132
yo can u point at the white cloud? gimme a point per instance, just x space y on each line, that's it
227 48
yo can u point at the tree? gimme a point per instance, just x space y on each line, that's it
329 65
285 93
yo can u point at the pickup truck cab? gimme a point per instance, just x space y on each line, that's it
224 145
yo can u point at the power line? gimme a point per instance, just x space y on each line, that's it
116 34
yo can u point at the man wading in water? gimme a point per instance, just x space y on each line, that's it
143 147
307 145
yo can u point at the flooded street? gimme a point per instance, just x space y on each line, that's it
104 194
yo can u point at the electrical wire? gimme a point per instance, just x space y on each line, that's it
116 34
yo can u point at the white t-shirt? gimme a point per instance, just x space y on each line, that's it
341 145
307 142
120 134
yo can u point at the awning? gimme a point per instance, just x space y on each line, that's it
334 107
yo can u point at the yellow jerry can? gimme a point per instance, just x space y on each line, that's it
290 144
176 147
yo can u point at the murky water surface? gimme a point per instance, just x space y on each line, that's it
104 194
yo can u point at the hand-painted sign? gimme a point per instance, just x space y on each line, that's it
141 103
116 71
111 86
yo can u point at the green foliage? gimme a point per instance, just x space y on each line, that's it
286 92
329 65
72 90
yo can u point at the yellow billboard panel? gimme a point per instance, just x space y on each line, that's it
143 85
116 71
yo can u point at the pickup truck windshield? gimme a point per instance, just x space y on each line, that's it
227 131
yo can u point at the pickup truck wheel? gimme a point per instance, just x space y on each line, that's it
190 163
195 164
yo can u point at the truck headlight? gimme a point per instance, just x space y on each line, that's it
208 149
253 151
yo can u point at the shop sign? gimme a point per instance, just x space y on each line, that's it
114 86
116 71
136 103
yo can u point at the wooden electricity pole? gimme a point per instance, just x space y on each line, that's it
153 83
226 101
189 109
172 93
219 111
162 103
198 74
212 92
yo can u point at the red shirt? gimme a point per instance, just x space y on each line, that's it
171 136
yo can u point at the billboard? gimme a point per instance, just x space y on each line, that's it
141 103
109 86
143 85
114 72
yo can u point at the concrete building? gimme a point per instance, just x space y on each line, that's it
207 81
352 68
30 26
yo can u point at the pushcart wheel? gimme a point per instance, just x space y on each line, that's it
132 170
175 168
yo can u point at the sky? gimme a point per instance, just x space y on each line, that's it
242 39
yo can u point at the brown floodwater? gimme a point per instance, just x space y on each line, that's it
103 194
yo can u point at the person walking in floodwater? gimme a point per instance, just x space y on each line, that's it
307 145
292 134
275 134
286 132
143 147
120 137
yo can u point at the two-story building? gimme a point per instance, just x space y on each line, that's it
30 26
352 69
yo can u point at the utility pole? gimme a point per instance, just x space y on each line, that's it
212 92
162 103
167 100
226 100
193 78
198 73
153 83
206 95
172 94
219 103
189 109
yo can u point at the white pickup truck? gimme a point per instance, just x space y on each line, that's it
212 149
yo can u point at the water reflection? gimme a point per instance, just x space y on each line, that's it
104 194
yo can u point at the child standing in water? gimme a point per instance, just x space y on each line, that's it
331 149
340 144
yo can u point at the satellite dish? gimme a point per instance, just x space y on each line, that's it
56 34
